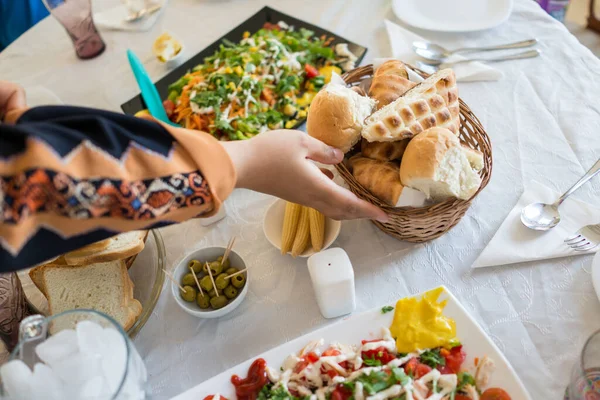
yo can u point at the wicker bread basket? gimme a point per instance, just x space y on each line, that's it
422 224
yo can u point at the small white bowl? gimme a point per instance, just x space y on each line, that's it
273 225
206 254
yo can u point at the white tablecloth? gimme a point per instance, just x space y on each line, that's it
543 120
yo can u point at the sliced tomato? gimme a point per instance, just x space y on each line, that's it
169 107
454 360
311 71
212 396
341 393
271 27
380 353
310 358
417 369
495 394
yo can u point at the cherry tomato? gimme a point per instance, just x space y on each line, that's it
169 107
495 394
454 360
331 352
341 393
311 71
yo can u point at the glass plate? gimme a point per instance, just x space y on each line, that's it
147 274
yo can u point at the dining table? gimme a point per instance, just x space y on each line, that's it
543 118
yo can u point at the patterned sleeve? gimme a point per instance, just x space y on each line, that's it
71 176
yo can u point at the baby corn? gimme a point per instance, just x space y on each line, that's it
317 229
302 234
290 226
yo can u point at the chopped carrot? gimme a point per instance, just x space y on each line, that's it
476 361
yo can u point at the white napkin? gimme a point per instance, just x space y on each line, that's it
114 18
401 41
514 243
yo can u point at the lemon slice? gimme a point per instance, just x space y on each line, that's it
166 47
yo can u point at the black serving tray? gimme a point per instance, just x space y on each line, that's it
252 25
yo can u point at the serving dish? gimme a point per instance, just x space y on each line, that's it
266 15
147 275
273 223
367 325
452 16
209 253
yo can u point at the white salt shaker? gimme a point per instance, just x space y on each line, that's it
215 218
333 282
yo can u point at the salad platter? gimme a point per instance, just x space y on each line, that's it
402 352
261 75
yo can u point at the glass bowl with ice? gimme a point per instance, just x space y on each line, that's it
78 354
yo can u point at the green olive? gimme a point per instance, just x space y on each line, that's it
238 281
195 265
227 262
203 300
218 302
206 283
230 292
188 279
231 270
212 293
188 294
216 268
222 281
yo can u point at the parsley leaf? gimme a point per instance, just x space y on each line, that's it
454 343
386 309
433 358
464 378
400 376
372 362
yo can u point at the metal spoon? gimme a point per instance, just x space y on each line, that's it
144 12
542 217
431 66
434 51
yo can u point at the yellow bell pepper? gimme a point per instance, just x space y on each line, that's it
290 124
238 70
328 71
306 99
246 35
228 70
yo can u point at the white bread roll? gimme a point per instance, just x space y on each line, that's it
336 116
437 164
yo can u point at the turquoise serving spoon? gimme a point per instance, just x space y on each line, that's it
149 92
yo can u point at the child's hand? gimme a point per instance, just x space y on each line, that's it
278 163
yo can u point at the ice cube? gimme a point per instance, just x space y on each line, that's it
95 389
89 337
78 368
45 384
114 359
58 347
16 377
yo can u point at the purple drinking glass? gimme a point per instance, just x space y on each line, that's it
76 17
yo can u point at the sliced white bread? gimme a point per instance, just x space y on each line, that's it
105 287
437 164
433 102
118 247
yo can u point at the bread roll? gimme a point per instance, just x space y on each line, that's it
433 102
336 116
437 164
390 81
380 178
384 151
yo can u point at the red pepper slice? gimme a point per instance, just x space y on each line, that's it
311 71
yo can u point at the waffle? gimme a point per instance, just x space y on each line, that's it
433 102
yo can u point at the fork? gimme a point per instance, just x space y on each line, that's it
585 239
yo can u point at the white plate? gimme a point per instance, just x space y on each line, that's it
367 325
452 15
273 224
